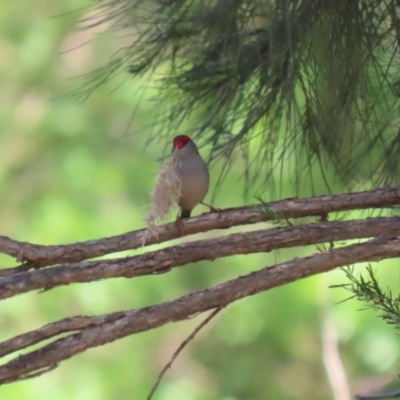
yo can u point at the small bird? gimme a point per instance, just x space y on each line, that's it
193 175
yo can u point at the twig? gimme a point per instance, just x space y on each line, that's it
180 348
389 395
40 372
38 256
74 324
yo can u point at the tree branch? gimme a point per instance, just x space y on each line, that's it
163 260
81 333
39 255
94 331
52 330
388 395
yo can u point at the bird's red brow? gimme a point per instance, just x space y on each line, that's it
180 141
185 139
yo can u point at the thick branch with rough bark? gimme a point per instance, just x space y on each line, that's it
39 255
162 261
63 265
99 330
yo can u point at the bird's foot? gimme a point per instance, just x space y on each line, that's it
212 209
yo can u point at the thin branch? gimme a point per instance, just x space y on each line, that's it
38 373
163 260
180 348
52 330
36 256
184 307
389 395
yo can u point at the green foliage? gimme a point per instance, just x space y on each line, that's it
77 171
368 291
310 86
264 209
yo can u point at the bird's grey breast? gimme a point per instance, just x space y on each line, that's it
195 179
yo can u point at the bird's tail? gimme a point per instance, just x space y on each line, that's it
185 213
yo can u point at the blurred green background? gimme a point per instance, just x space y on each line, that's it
73 170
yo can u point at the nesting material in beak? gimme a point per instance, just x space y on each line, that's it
164 195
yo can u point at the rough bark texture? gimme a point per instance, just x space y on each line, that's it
39 255
162 261
83 332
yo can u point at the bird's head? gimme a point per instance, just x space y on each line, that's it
183 146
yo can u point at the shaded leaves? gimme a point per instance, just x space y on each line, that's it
368 290
305 90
